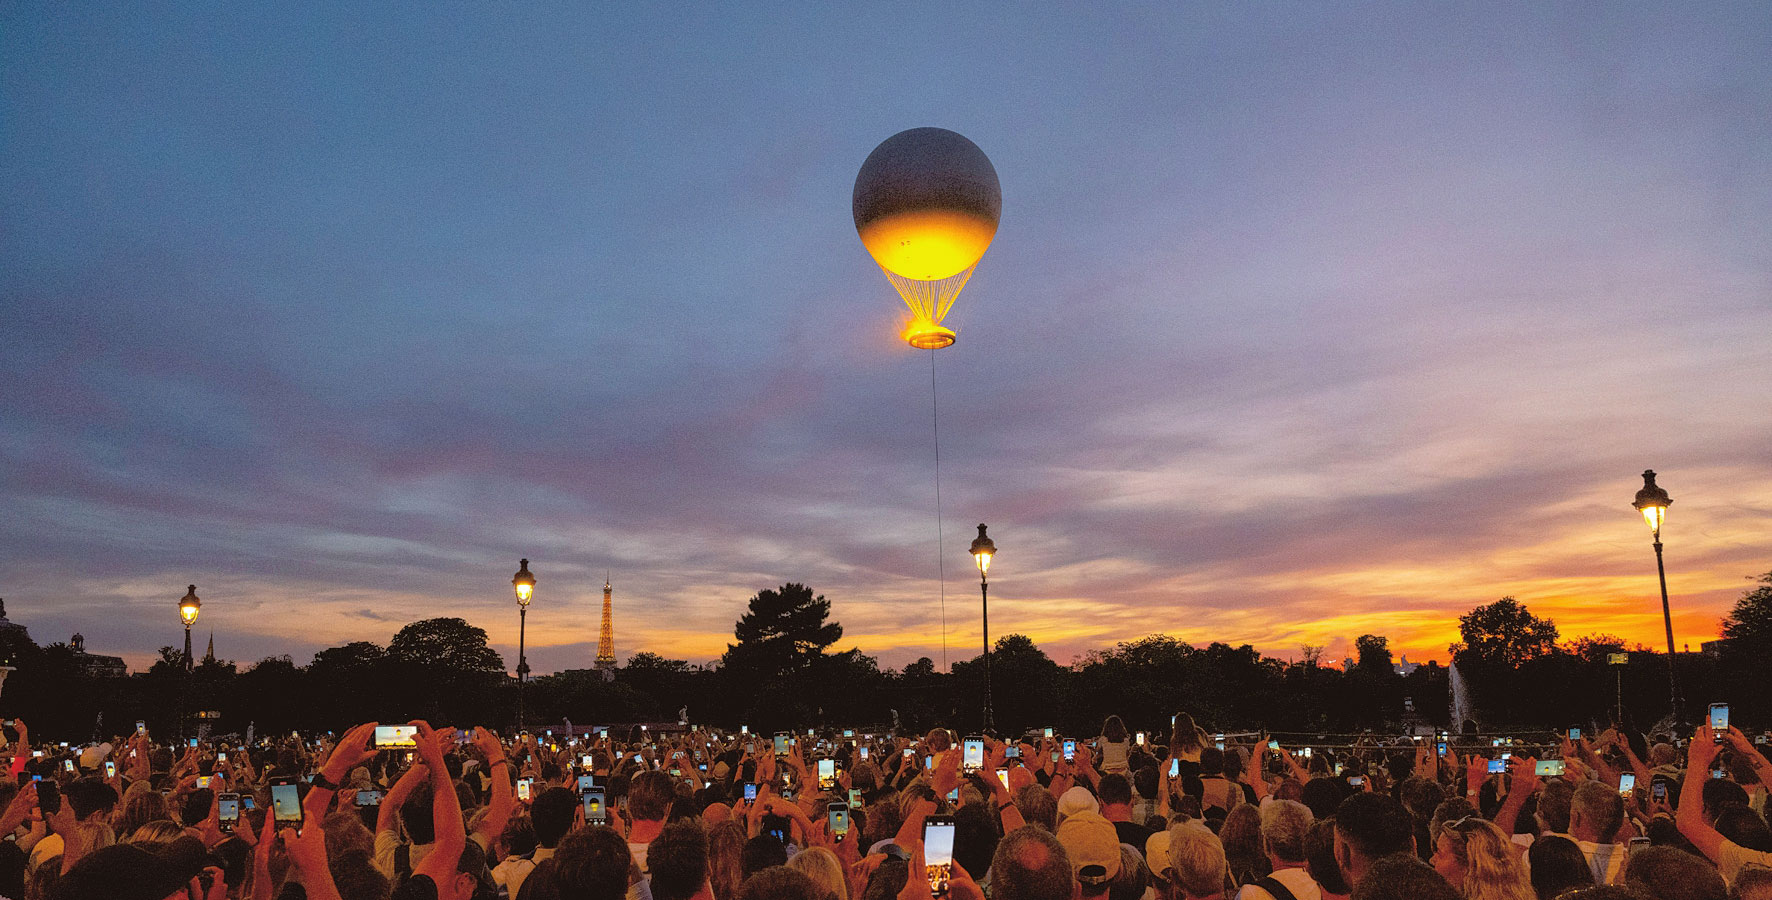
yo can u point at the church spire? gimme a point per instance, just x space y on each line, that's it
209 655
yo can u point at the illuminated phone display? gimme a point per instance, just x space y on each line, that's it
827 774
396 737
286 804
1070 749
1627 783
972 757
839 819
595 814
938 853
1548 768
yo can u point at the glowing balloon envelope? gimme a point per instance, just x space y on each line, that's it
927 203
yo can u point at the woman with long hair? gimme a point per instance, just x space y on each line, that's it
726 858
1479 860
1115 745
1244 848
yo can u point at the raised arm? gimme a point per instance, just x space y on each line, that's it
446 819
1690 818
498 811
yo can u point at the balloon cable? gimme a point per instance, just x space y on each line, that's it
940 551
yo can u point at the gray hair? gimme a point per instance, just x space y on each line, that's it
1284 823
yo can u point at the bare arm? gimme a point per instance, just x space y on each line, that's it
446 819
1690 817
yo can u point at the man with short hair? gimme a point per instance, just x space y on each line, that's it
1368 828
1284 824
1030 864
1596 812
551 814
1116 807
678 858
650 796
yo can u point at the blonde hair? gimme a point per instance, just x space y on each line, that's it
1492 868
1197 857
157 833
822 867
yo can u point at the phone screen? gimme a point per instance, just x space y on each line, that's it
938 853
1175 768
523 789
203 782
781 743
1003 776
1627 783
750 791
1049 734
1141 739
1719 721
855 798
827 773
1497 766
1357 780
286 804
140 727
396 737
839 819
1575 734
1658 790
973 758
1070 749
1012 751
228 808
1273 745
368 798
593 803
1441 749
863 751
110 769
1549 767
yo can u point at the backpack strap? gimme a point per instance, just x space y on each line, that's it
1274 887
402 864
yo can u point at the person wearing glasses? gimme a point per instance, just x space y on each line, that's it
1478 859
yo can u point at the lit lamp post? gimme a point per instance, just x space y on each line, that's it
1653 502
983 548
525 585
188 607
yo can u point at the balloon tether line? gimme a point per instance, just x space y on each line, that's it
940 550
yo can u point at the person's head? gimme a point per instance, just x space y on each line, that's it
1284 824
726 846
415 814
1114 789
1031 864
1369 827
157 833
780 883
1753 882
1475 856
552 813
1241 836
1211 762
678 861
1739 823
1401 876
1134 877
760 853
1596 812
1093 848
1185 735
518 838
1037 807
1668 874
1323 795
887 880
89 797
1319 857
141 805
592 864
650 796
816 863
1197 866
1421 796
198 803
1557 865
976 832
1553 806
1720 792
1113 729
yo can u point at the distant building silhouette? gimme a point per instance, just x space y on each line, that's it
93 664
606 638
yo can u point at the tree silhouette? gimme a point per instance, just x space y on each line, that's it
784 631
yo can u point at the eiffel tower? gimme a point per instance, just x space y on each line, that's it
606 639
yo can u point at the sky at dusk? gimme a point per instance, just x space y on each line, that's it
1303 321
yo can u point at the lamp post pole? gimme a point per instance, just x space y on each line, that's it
524 583
1652 501
983 548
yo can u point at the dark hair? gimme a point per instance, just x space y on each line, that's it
1719 792
762 852
519 835
1553 805
1113 729
1557 865
678 861
1114 788
650 796
976 834
89 795
780 883
1669 874
1374 825
552 812
1184 735
1401 876
197 805
415 814
1323 795
1739 823
592 864
1030 864
1319 857
1134 877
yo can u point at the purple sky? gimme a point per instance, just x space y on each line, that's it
1302 321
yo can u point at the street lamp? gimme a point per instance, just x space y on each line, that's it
983 548
1653 502
188 607
525 585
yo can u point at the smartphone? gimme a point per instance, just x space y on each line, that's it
972 755
1220 744
908 752
203 782
1497 766
1012 751
1003 776
1440 748
228 810
1658 790
1048 732
523 789
1627 783
396 737
1719 774
1549 767
286 803
1507 755
1070 749
1575 734
855 798
839 819
827 773
781 743
68 766
110 769
750 792
1357 780
246 802
849 732
1140 739
928 762
595 814
192 743
1273 744
587 762
863 751
140 726
938 853
744 729
1719 722
1174 768
368 798
48 798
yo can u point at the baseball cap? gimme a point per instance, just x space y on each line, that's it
1076 800
1092 845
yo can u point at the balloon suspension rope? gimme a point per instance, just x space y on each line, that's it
940 551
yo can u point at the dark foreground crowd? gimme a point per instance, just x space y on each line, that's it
414 811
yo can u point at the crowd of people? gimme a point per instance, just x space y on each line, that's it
416 811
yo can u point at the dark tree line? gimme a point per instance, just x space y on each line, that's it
783 671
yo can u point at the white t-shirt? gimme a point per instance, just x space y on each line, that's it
1298 881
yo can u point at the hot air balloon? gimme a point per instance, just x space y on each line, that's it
927 203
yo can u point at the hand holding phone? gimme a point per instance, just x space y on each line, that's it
938 853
